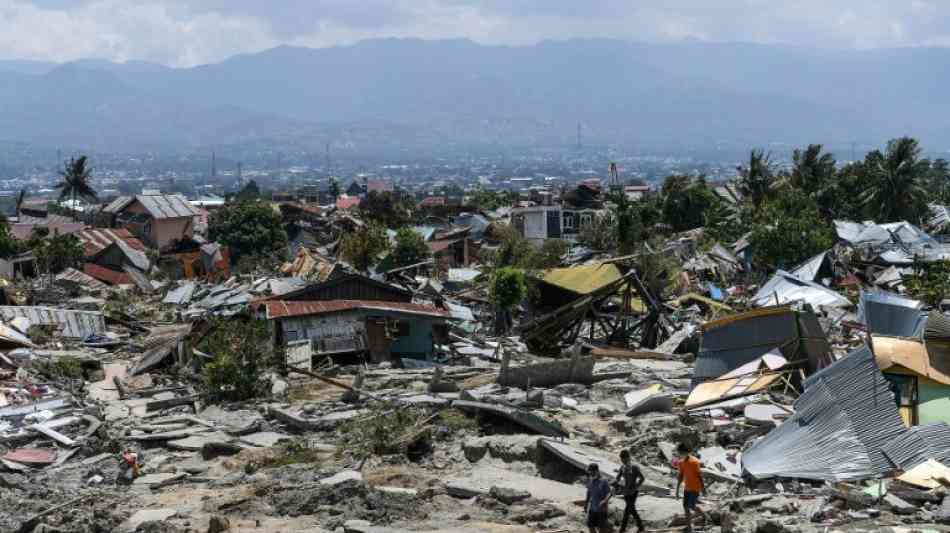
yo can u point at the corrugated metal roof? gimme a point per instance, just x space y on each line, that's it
284 309
107 275
118 204
785 288
583 279
167 206
890 314
97 239
181 295
80 278
920 443
75 324
842 422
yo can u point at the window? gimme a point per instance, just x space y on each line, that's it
568 220
586 220
401 328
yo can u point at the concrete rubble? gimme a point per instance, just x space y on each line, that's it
791 408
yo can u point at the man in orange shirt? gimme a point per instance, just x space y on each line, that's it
691 477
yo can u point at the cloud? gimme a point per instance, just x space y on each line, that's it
190 32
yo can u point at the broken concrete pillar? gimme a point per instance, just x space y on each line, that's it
351 395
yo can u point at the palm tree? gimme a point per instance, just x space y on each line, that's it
76 181
895 189
812 170
756 179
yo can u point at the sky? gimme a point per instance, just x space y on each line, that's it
185 33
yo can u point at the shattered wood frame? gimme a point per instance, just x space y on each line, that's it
548 333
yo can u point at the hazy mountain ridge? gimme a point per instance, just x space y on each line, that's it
457 91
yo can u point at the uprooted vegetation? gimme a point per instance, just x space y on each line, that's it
387 430
242 351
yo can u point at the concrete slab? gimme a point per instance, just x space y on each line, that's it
648 400
480 481
766 412
195 443
146 515
265 439
718 461
658 510
106 390
399 491
341 477
149 480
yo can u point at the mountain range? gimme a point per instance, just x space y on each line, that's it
410 92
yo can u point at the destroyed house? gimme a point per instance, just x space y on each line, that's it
350 287
541 222
730 342
158 219
378 329
559 286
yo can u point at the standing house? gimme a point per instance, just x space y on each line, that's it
158 219
541 222
353 315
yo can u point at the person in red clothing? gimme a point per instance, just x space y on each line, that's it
691 477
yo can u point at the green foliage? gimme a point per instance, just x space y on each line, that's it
56 253
410 248
930 282
334 188
249 192
483 199
383 432
457 422
722 224
242 348
508 288
756 179
686 202
812 170
59 368
601 234
248 228
9 246
389 209
895 182
656 271
77 179
789 229
516 251
292 452
362 248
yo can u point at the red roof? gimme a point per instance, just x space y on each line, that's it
285 309
433 200
97 239
32 456
347 202
438 246
107 275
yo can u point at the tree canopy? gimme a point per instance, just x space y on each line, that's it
362 248
410 248
789 229
248 228
77 181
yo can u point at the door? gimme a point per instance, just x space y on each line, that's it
377 339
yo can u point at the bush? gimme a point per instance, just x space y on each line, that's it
930 283
410 248
787 230
362 248
508 288
242 349
292 452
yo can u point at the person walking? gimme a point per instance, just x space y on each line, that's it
628 482
598 494
691 477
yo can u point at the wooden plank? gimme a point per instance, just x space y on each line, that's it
53 434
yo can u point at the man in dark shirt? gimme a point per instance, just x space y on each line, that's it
598 494
628 482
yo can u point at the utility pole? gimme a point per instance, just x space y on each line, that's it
329 170
614 178
214 168
579 145
240 179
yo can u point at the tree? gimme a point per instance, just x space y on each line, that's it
334 188
483 199
57 253
516 251
388 208
686 201
9 246
789 229
812 170
601 234
76 182
249 192
507 289
242 347
895 189
410 248
939 181
250 228
755 180
362 248
930 283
